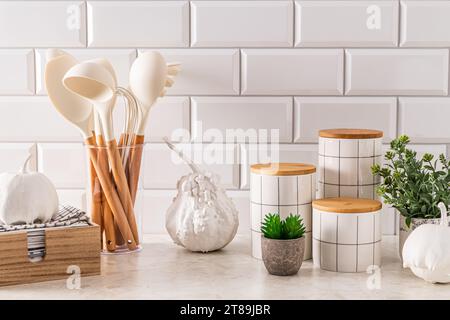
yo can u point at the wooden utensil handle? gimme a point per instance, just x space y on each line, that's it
96 204
110 231
122 186
108 218
112 198
119 239
135 165
96 200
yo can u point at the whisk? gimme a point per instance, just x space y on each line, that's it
130 125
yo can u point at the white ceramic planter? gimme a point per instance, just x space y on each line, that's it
345 160
282 188
404 231
346 234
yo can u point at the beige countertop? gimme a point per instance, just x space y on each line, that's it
163 270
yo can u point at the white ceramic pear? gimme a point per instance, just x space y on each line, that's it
26 197
427 250
201 218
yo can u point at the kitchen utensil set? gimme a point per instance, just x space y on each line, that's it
84 93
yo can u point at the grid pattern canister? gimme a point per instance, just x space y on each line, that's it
345 160
346 234
282 188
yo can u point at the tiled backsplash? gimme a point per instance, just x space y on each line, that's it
296 66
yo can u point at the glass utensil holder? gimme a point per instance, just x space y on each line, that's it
114 172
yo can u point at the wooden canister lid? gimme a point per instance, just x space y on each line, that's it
350 133
283 169
347 205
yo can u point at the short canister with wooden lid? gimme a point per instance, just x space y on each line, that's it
346 234
345 160
284 189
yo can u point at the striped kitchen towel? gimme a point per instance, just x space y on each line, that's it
66 216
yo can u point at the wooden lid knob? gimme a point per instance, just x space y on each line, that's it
347 205
350 133
283 169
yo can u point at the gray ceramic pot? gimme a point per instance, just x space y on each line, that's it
282 257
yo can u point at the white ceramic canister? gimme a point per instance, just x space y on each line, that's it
281 188
346 234
345 160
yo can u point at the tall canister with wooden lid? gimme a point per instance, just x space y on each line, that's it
281 188
345 160
346 234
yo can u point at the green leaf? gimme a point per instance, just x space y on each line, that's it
275 228
271 227
408 221
293 227
411 185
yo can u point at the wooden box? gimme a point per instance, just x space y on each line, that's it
65 246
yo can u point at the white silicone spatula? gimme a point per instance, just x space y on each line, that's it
149 75
75 110
79 112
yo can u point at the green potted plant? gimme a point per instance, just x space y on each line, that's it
282 244
413 186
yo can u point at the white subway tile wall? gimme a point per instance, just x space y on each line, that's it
247 66
223 115
413 121
425 24
321 24
13 156
292 71
162 168
19 66
347 112
415 72
242 23
42 24
138 23
63 163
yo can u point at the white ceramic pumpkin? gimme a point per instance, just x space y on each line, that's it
201 217
26 197
427 251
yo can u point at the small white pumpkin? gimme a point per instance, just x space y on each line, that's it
427 251
201 218
26 197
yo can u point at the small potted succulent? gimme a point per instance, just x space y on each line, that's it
282 244
414 187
